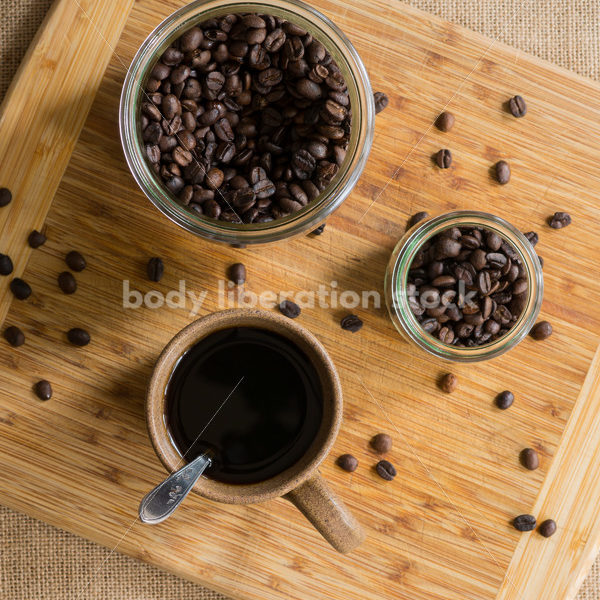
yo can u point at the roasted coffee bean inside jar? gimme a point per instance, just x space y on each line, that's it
467 286
246 118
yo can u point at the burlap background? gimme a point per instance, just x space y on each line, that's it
39 562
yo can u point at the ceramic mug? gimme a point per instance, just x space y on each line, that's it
301 483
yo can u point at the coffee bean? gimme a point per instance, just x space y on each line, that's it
229 96
43 390
67 283
5 197
445 121
444 281
6 265
347 462
547 528
309 89
21 289
505 399
493 241
289 309
385 470
517 106
75 261
381 101
78 336
559 220
155 269
36 239
417 218
449 382
529 459
443 159
524 523
214 178
502 172
191 39
319 230
14 336
237 273
447 247
381 443
541 330
484 283
446 335
351 323
533 237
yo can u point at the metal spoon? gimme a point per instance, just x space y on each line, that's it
162 501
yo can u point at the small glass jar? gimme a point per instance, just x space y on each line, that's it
359 144
397 275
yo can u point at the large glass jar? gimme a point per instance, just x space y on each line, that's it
359 145
397 298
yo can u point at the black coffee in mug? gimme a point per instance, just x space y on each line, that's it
250 396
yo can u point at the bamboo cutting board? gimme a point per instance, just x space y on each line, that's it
441 530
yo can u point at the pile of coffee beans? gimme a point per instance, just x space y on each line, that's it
247 118
381 443
467 286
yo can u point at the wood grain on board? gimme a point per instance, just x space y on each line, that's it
442 529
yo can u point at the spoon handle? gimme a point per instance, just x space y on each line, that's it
160 503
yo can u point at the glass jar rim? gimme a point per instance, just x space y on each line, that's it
402 258
361 134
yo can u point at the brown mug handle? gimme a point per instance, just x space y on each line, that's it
330 516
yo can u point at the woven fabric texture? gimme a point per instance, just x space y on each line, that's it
41 562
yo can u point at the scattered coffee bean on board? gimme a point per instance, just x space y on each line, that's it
381 101
541 261
5 197
530 459
351 323
547 528
319 230
21 289
67 282
504 400
14 336
36 239
541 330
43 390
559 220
347 462
502 172
75 261
155 269
247 118
386 470
443 158
449 382
237 273
417 218
517 106
524 523
289 309
445 121
466 286
533 237
78 336
381 443
6 264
